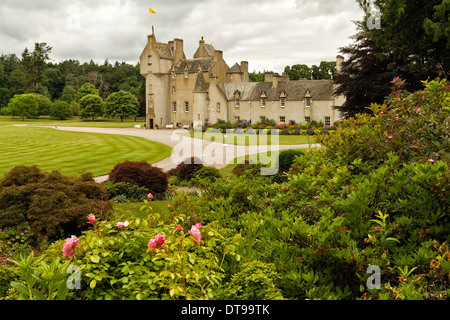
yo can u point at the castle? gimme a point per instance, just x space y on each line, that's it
185 92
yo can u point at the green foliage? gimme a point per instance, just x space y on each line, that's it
23 106
129 191
121 105
91 106
255 281
86 89
44 104
207 175
61 110
41 281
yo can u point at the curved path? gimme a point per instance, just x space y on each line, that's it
214 154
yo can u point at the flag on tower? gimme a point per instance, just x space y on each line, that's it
151 10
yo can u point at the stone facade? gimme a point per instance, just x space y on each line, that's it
185 92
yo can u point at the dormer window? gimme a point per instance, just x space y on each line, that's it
263 99
282 99
308 99
237 98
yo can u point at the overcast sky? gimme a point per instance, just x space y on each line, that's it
269 34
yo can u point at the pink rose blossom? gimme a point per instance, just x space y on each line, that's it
391 137
157 242
91 218
150 196
179 228
198 225
69 247
431 160
168 205
397 117
418 110
196 234
121 225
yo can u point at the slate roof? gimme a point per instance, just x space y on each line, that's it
294 90
193 65
235 69
165 50
200 85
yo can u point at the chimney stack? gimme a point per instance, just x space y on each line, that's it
244 68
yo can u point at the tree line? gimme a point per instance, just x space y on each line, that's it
59 88
325 70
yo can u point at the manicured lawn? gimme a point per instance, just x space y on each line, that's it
75 122
73 152
249 140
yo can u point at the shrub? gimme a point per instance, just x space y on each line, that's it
285 160
255 281
130 191
207 174
53 205
141 174
186 170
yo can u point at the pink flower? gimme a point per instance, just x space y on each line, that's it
168 205
121 225
397 117
198 225
395 80
418 110
432 160
391 137
179 228
91 218
382 112
196 234
316 197
150 196
69 247
157 242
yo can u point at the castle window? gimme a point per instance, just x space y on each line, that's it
149 60
283 102
263 102
238 103
186 74
307 119
308 102
173 90
282 119
218 107
186 106
308 99
174 106
327 121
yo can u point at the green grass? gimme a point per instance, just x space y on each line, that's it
73 152
75 122
125 211
249 140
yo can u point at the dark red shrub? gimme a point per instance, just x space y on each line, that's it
141 174
186 170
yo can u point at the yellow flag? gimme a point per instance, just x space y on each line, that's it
151 10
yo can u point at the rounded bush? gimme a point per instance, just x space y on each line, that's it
187 170
141 174
210 174
53 205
